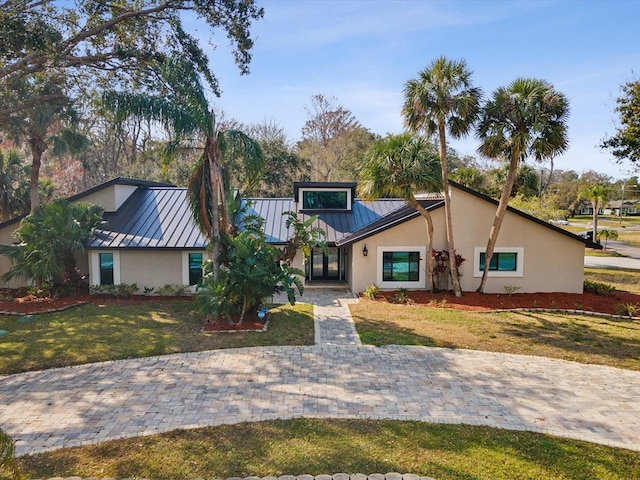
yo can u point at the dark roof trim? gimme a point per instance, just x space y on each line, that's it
118 181
394 218
588 243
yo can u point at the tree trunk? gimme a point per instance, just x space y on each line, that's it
38 147
500 213
595 219
212 153
414 203
453 267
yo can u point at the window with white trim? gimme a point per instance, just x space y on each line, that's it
401 267
505 262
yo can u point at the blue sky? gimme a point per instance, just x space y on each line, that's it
362 52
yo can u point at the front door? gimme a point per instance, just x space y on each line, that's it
325 266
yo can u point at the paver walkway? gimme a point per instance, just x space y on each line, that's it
97 402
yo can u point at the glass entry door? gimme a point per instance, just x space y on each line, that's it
325 266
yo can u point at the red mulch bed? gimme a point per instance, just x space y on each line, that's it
472 301
29 304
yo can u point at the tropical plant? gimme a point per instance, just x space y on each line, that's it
186 113
401 166
441 268
443 100
7 454
607 234
598 195
305 237
48 239
371 292
51 124
250 274
14 189
526 118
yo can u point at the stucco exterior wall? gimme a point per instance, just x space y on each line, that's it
146 268
551 261
364 271
110 199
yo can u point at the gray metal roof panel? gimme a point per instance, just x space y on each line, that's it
336 224
155 217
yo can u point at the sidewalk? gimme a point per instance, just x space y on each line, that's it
93 403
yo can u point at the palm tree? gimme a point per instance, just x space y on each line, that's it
443 100
13 188
528 117
598 195
186 113
400 166
607 234
45 125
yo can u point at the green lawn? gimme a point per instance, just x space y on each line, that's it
93 333
308 446
621 278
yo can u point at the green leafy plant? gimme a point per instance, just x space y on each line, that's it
402 296
305 237
7 455
147 290
627 309
371 292
48 240
123 290
172 290
598 288
251 272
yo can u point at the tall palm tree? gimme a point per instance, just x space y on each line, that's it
528 117
443 100
400 166
598 195
44 125
13 188
187 114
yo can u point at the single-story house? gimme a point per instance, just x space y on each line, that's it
151 240
618 207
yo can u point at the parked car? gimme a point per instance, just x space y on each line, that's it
559 221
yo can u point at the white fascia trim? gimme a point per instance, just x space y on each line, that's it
518 273
321 189
422 268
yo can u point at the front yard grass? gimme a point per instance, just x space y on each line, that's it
584 339
626 279
311 446
112 331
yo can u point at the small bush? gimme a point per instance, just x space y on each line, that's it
123 290
173 290
626 309
511 289
402 296
43 291
598 288
371 292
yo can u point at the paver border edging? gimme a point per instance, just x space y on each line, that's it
50 310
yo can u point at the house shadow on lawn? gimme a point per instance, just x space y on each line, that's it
582 336
379 333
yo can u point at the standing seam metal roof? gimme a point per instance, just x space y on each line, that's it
337 224
154 217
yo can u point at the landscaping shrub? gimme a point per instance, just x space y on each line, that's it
123 290
371 292
598 288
